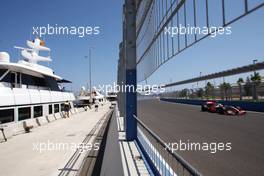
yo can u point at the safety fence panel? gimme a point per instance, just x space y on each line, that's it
159 22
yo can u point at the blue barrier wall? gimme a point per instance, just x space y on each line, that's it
246 105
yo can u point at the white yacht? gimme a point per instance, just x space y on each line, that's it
86 98
29 90
112 96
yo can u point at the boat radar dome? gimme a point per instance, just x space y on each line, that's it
4 57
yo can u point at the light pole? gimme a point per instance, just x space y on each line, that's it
198 81
88 85
146 80
171 83
90 71
90 68
255 96
254 63
89 75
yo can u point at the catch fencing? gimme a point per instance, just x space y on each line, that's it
155 44
149 40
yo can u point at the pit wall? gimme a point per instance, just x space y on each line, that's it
246 105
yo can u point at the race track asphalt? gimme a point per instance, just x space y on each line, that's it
174 122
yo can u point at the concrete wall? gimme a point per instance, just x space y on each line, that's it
246 105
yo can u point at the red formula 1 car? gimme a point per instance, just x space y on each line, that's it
231 110
214 107
209 106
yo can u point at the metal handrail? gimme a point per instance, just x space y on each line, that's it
183 162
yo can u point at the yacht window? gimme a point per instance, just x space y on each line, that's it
27 79
33 81
56 108
18 80
52 83
13 80
2 72
7 78
38 111
50 109
24 113
6 115
62 107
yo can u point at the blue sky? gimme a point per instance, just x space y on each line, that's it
18 17
217 54
212 54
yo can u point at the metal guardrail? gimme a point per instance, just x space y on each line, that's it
244 91
163 158
230 72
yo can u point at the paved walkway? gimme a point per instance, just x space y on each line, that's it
21 155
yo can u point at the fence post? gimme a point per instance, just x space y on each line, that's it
130 66
121 80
